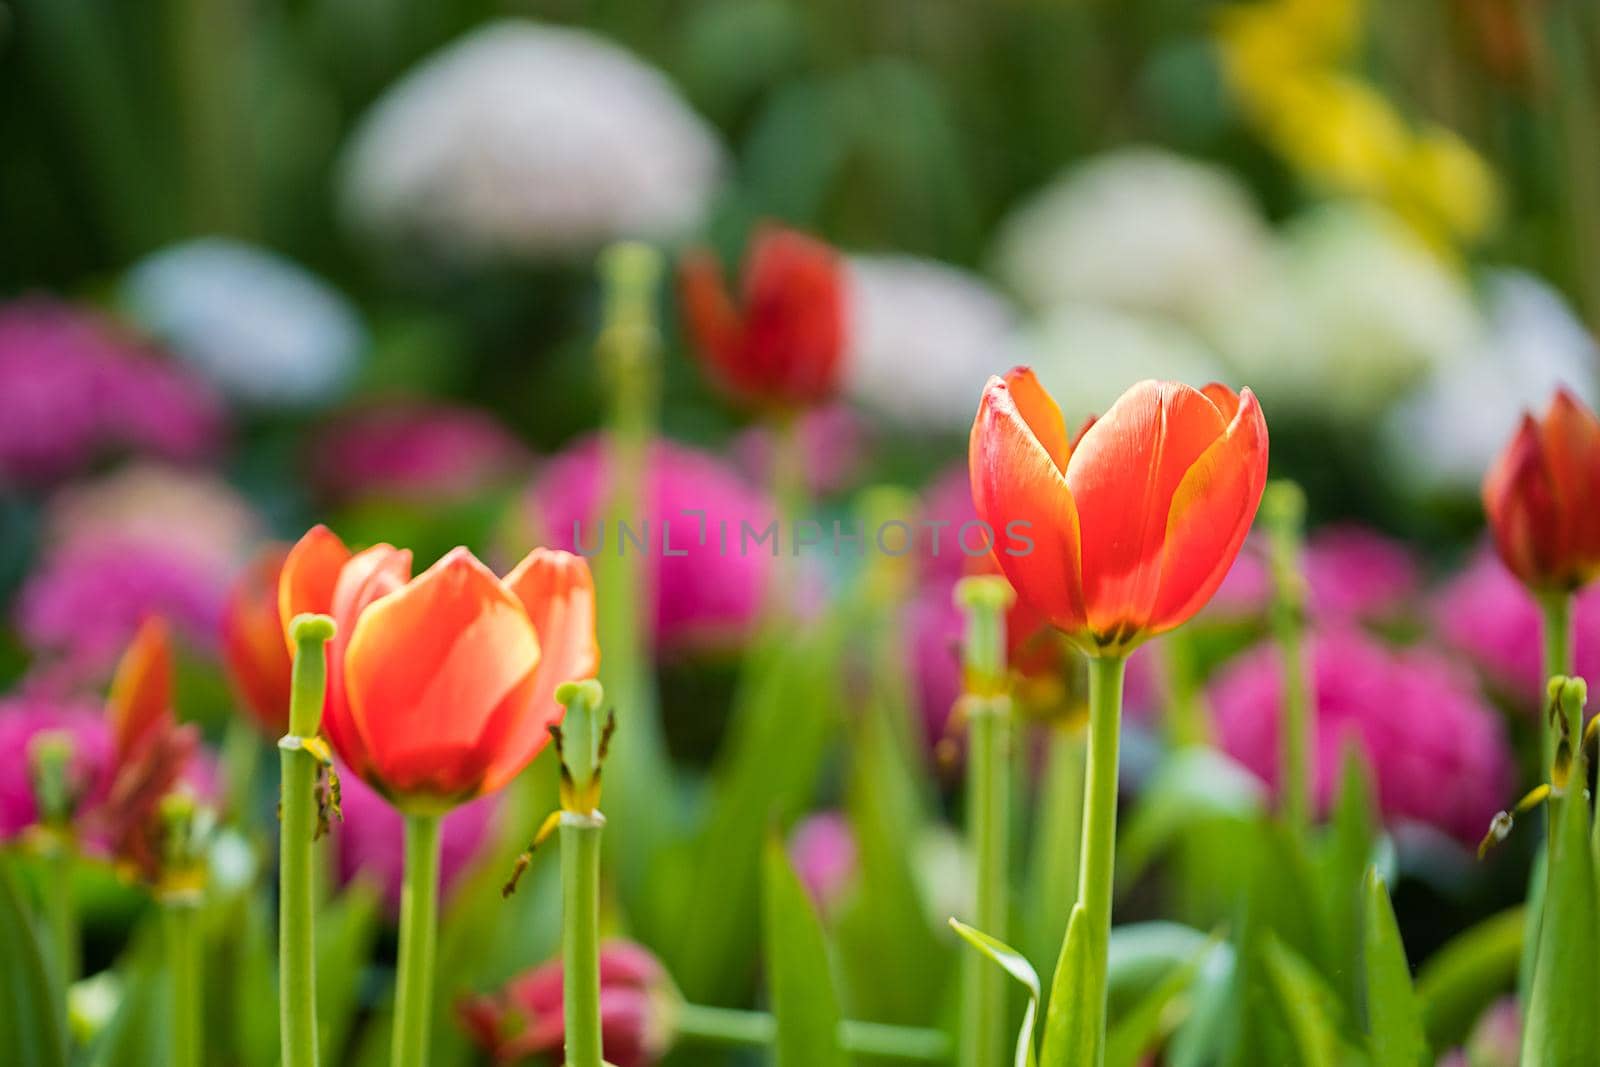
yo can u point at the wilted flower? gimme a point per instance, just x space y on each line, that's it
1437 751
707 595
264 329
73 388
1357 312
1087 355
776 344
1539 497
524 1019
1132 526
372 834
441 687
527 140
924 337
823 851
1451 430
415 451
1139 229
84 603
1486 613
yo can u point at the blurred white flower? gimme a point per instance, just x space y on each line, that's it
265 330
1355 314
924 337
1087 356
526 140
1447 434
1140 229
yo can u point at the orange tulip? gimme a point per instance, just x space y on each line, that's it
1127 532
252 642
1542 497
783 350
441 687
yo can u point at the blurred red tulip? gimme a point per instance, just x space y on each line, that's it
1126 533
783 349
252 642
1542 497
524 1019
442 687
151 751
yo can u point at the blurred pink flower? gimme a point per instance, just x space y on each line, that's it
823 851
371 839
73 388
1438 752
1352 573
709 595
833 439
24 717
416 451
80 608
1486 613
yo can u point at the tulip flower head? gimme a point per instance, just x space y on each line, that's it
1127 532
441 687
252 642
782 350
1541 497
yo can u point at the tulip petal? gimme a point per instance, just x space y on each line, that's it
309 575
1123 476
557 591
1043 416
428 668
1016 486
252 641
1226 400
794 315
1520 500
1210 515
370 574
141 690
1571 439
710 315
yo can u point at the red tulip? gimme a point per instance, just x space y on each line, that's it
151 751
1127 532
252 642
783 349
441 687
524 1019
1543 498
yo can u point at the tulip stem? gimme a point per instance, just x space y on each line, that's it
419 921
297 973
580 879
63 912
1557 632
756 1029
180 921
987 706
1284 507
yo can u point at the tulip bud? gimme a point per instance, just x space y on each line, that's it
524 1018
1540 498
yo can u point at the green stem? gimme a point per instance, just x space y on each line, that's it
62 911
419 921
1284 510
180 920
1057 837
1557 633
1098 854
988 797
754 1029
297 971
580 945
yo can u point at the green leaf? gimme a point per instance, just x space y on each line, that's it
1198 785
799 978
1310 1008
1464 977
346 931
31 1020
1138 1030
1343 855
1141 955
1394 1015
1018 967
1057 836
1073 1027
1557 1031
